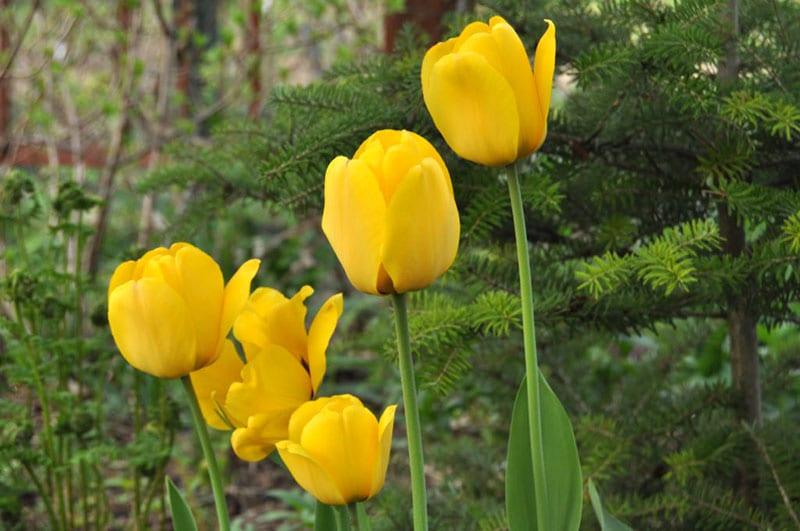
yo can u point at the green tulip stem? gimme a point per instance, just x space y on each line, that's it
529 341
208 453
413 432
342 518
359 515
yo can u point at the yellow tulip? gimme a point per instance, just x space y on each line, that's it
285 366
170 310
390 214
483 96
337 450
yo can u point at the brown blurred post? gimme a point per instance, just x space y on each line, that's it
426 15
254 56
5 82
184 29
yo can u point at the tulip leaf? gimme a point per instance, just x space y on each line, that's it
607 521
325 518
561 463
182 519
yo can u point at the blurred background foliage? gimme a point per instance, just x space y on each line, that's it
663 213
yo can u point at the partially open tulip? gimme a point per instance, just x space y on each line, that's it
285 366
170 311
337 450
483 96
390 214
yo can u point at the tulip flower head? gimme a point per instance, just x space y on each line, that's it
285 366
390 214
337 450
170 311
483 96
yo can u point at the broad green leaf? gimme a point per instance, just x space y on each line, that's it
607 521
325 518
182 519
561 463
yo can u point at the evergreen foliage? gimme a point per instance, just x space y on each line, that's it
645 156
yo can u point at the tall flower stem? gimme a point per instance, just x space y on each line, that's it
529 342
208 453
413 432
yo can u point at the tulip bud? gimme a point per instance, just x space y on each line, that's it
483 96
390 214
285 366
337 450
170 311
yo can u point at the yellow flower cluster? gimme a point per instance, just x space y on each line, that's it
170 316
390 216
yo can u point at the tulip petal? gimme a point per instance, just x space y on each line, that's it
474 108
544 65
152 327
422 229
122 274
303 414
272 319
517 71
319 335
273 383
256 441
385 430
237 291
344 444
432 56
353 220
142 262
309 474
473 28
203 290
211 384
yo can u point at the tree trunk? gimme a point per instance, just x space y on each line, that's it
5 84
742 321
254 57
426 15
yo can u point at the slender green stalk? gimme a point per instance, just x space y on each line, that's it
48 504
208 452
529 341
359 515
419 497
342 518
137 428
84 494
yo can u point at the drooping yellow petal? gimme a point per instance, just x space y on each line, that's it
273 383
344 444
152 328
474 108
319 335
211 384
203 289
353 220
122 274
422 229
272 319
309 474
257 440
385 430
543 69
237 291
